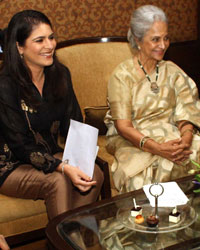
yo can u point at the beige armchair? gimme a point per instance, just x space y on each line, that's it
91 62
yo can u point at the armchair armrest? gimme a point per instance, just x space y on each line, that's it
106 188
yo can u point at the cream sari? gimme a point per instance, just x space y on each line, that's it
154 115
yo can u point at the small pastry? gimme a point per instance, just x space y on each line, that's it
136 211
152 221
174 216
139 219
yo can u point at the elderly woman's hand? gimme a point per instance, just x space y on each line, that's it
185 142
175 150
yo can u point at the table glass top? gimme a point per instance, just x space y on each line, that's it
107 225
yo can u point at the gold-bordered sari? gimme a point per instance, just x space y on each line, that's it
154 115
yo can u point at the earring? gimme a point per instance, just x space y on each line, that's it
22 56
138 47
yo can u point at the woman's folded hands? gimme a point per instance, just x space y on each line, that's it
177 150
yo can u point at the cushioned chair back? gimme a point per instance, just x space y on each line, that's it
91 62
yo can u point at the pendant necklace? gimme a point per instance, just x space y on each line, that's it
154 86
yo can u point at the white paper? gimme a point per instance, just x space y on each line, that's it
171 197
81 146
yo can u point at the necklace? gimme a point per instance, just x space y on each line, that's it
154 86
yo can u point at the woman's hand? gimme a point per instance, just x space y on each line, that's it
78 178
3 243
176 150
186 139
186 142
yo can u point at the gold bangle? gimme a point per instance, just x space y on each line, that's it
187 130
143 140
63 166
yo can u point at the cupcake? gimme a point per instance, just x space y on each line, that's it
152 221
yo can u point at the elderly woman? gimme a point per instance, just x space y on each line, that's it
154 111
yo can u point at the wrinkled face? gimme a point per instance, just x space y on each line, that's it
155 42
39 47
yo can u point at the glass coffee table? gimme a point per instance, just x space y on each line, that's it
107 224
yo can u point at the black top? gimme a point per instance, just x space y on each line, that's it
30 135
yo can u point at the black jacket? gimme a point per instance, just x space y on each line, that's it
29 136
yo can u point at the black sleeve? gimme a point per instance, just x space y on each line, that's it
17 132
72 110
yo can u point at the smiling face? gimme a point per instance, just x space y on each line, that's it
39 47
155 42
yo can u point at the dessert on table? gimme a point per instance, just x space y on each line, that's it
152 221
139 219
136 210
174 216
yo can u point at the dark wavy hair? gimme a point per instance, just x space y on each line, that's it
19 29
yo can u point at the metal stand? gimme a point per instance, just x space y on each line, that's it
156 190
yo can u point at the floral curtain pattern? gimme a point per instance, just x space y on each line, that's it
89 18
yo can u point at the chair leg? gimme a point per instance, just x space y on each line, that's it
106 189
22 239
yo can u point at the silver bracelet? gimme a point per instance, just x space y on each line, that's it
63 166
143 140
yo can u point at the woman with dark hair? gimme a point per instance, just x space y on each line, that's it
37 102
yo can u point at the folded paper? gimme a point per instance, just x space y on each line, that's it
81 146
172 196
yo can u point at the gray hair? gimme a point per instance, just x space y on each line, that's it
141 21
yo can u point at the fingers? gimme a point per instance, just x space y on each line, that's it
85 183
85 186
171 146
176 151
79 179
184 153
75 172
176 144
175 141
182 157
180 162
3 243
84 180
84 176
82 188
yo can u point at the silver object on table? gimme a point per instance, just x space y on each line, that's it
156 190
